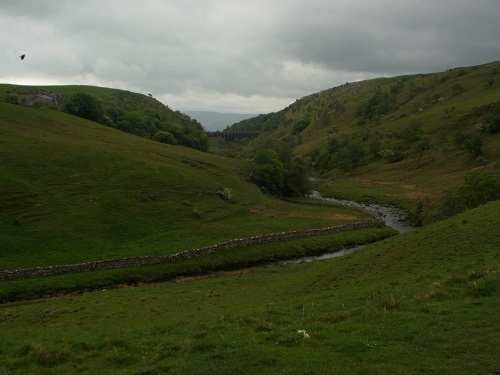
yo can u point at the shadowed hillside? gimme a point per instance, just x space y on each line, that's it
395 139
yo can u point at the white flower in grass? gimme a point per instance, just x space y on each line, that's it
304 333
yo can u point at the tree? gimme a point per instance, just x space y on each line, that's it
480 188
85 106
492 121
296 180
269 171
418 148
300 125
379 103
457 89
470 140
412 132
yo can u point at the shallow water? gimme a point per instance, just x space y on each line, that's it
393 217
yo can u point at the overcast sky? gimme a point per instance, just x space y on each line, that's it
250 56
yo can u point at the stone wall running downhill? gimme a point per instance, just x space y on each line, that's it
187 254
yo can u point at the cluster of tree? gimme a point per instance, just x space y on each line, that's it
278 172
343 153
300 125
346 152
492 118
472 138
410 141
478 188
139 118
379 103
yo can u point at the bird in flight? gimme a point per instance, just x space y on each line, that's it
22 56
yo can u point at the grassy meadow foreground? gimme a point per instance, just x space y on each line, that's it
426 301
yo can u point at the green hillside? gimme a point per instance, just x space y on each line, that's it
74 191
393 139
127 111
422 302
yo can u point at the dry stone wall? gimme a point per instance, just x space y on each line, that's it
187 254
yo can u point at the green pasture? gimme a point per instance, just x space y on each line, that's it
74 191
425 301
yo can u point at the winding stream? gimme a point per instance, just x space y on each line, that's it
393 217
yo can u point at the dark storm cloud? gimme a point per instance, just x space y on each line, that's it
239 55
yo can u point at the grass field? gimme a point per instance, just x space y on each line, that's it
73 191
425 301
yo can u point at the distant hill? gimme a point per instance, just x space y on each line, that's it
213 121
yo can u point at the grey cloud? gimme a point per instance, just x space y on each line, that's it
236 54
28 9
397 36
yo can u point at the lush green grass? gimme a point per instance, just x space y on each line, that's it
360 191
73 191
21 289
425 301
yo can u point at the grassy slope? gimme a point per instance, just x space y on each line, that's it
426 301
118 105
73 191
443 165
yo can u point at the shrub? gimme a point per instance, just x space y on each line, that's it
84 105
457 89
300 125
492 122
478 188
469 140
392 155
225 193
165 137
12 98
